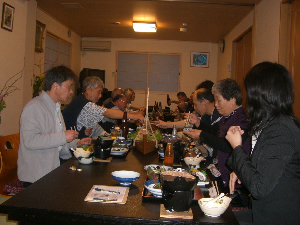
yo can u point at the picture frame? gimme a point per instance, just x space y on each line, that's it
8 13
199 59
39 36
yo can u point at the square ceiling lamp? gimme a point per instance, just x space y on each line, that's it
144 26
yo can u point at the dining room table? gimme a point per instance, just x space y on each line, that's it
58 197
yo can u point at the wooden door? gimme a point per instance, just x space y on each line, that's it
295 54
243 60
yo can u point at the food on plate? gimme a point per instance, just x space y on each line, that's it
178 174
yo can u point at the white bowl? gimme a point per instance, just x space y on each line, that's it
125 177
194 161
82 153
84 160
217 209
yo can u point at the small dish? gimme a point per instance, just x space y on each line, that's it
86 160
187 129
118 151
155 191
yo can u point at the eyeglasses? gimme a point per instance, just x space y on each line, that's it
123 101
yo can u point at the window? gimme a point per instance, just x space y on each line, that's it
159 72
57 52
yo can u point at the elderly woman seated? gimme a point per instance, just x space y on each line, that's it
228 100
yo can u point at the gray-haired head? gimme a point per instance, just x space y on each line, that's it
93 82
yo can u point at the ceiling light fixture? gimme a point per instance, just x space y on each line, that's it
144 26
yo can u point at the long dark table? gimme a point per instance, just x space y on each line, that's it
58 197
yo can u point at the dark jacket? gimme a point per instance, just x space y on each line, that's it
272 174
72 111
214 136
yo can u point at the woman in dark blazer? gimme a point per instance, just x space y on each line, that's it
272 172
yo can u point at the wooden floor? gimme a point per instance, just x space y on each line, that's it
3 217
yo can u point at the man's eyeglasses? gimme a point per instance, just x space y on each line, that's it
123 101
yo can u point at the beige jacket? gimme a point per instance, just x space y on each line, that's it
38 151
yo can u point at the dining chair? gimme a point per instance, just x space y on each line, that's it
9 182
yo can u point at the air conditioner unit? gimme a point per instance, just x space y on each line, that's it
101 46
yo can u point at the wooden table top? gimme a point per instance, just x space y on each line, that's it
58 197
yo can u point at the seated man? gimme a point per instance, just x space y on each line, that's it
183 98
119 103
203 105
114 93
83 113
130 95
43 135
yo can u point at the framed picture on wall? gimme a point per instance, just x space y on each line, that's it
39 36
199 59
8 13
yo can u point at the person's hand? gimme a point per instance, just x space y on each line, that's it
88 131
234 136
193 119
137 116
161 124
232 180
193 133
71 135
142 109
84 142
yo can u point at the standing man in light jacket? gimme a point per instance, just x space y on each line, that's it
43 135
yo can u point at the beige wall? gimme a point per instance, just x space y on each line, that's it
189 78
265 23
225 59
61 31
17 50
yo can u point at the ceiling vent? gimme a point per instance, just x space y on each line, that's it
101 46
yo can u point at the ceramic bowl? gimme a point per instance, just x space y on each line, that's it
84 160
82 153
155 191
217 209
194 161
125 177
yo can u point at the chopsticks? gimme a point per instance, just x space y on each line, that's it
187 121
74 128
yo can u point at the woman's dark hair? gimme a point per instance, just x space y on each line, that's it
228 88
58 74
270 93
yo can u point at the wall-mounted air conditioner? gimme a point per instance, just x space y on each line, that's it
102 46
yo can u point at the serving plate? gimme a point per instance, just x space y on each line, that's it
156 168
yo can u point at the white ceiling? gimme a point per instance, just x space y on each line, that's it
207 20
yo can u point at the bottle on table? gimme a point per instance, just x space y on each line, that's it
168 100
159 107
169 155
124 127
174 132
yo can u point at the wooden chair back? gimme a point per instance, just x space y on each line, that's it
9 146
